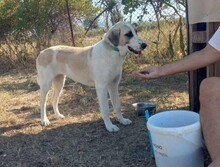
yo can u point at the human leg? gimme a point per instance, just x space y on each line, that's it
210 116
215 163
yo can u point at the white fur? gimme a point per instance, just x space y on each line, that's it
98 65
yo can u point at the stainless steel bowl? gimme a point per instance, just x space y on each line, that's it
141 107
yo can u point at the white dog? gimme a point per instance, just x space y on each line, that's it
99 65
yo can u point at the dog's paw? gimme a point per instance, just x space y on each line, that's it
112 128
125 121
45 122
59 116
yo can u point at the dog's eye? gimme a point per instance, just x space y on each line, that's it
129 34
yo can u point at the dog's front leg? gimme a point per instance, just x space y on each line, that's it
114 95
104 107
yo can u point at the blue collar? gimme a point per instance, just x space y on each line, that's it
114 48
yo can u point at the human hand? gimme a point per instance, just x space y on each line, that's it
148 73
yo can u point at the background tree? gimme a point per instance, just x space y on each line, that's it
39 16
28 26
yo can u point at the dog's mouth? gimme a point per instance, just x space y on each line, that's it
134 51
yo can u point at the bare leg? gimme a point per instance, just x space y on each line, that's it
215 163
210 116
58 83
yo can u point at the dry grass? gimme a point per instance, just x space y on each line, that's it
81 138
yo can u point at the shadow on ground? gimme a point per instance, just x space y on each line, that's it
80 144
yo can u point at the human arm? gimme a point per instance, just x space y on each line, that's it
191 62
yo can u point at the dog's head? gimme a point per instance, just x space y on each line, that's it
124 37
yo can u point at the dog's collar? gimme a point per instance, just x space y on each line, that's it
114 48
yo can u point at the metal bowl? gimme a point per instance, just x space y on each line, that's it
141 107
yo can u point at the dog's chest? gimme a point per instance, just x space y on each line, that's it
108 62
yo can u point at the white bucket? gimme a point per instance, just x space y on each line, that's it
176 137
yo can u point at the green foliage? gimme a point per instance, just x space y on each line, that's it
133 5
42 16
7 16
26 27
111 5
33 15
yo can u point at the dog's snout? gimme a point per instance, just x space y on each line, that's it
143 45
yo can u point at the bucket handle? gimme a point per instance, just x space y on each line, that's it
201 144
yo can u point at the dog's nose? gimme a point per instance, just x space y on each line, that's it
143 45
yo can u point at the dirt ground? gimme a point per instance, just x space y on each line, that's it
80 139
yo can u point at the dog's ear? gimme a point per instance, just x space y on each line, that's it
114 36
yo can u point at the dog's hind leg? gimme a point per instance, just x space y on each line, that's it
58 83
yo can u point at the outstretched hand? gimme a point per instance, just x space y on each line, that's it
148 73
